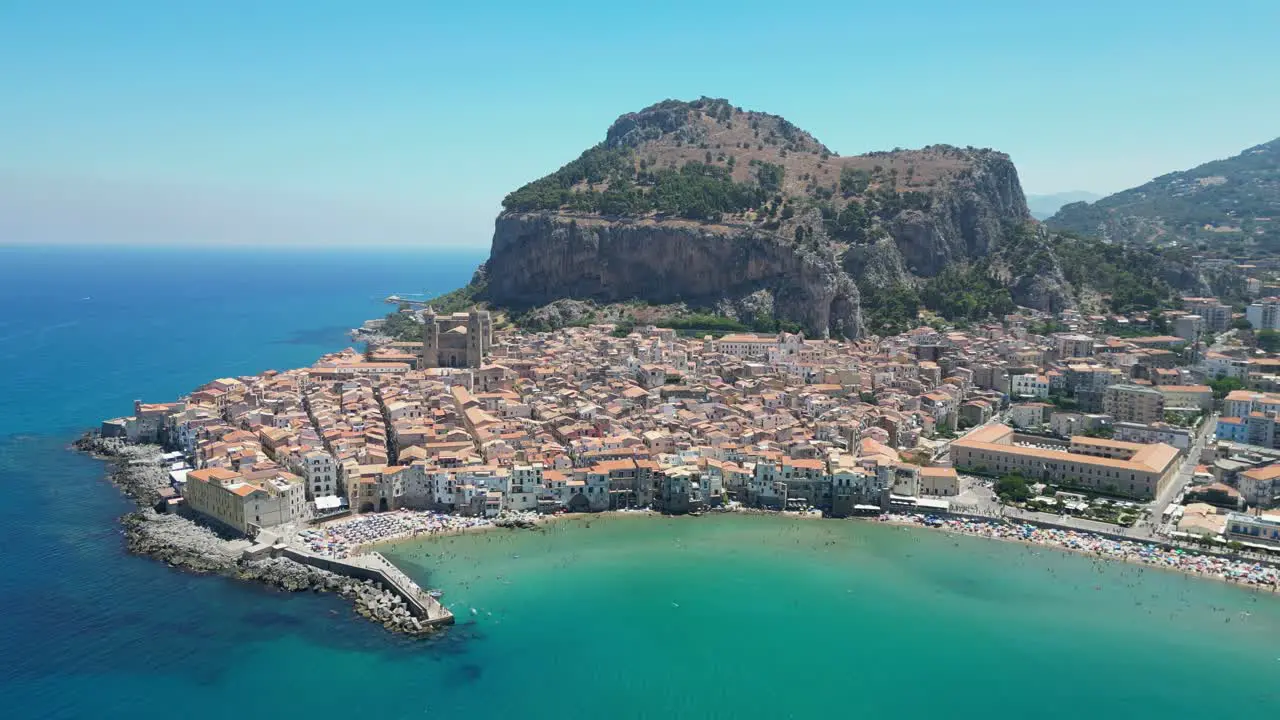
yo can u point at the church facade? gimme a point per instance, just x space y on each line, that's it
457 340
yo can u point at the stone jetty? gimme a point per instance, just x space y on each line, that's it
183 543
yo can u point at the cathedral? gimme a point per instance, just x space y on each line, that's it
457 340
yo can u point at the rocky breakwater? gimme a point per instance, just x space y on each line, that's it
183 543
382 606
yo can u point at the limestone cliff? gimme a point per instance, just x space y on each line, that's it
719 208
539 257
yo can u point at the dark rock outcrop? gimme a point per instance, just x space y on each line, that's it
966 220
540 257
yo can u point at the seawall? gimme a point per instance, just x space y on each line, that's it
376 568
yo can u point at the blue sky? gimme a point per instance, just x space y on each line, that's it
278 122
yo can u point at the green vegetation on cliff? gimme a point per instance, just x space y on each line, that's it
940 228
966 293
698 324
1127 278
890 310
1128 275
401 325
960 293
697 191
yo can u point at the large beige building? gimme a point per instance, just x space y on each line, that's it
1111 466
244 505
1133 403
1185 397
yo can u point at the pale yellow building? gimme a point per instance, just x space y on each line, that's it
228 498
939 482
1184 397
1131 469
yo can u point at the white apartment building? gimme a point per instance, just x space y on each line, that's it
321 474
1157 433
1072 345
1029 385
1220 365
1264 314
524 486
1261 529
746 346
1216 315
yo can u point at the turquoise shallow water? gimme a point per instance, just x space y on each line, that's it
747 616
771 620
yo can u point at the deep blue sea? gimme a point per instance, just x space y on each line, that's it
87 630
610 618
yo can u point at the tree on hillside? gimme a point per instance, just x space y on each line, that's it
853 181
770 175
1222 385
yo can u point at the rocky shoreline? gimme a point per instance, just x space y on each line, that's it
183 543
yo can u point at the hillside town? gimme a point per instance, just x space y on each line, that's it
1097 423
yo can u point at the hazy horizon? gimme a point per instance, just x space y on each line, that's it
243 124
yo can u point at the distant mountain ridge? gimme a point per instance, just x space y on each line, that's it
1234 200
1044 206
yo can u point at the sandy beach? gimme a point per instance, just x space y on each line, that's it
1237 572
350 536
354 535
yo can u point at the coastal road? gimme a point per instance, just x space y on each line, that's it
1180 481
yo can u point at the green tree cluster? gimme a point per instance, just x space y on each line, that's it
1013 488
1129 275
595 165
966 292
698 191
402 326
1223 385
851 223
853 182
769 176
889 311
1269 340
1048 327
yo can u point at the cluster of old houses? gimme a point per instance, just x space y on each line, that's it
476 422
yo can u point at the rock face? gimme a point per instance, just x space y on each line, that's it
967 219
785 223
540 257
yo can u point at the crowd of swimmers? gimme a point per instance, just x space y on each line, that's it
1223 568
